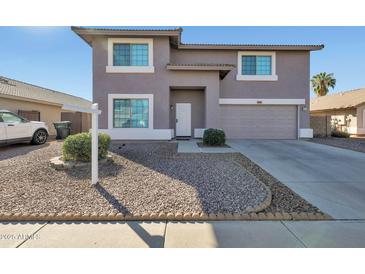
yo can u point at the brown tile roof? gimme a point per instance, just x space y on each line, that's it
125 29
175 37
339 100
252 46
14 88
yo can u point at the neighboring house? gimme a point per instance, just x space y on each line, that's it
150 85
345 109
41 104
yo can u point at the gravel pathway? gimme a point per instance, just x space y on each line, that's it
143 178
356 144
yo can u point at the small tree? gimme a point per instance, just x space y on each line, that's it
322 82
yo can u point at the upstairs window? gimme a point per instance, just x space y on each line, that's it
130 54
256 66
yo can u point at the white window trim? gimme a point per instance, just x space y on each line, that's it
305 133
260 101
113 96
272 77
130 69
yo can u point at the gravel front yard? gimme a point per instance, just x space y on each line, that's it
356 144
143 178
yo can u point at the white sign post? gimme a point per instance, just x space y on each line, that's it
94 137
94 146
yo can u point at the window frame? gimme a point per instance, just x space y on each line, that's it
131 113
112 96
129 69
241 77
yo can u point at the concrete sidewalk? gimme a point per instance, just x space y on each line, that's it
184 234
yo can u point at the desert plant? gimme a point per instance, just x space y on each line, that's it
322 82
78 147
214 137
340 134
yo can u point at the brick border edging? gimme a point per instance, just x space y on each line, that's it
196 216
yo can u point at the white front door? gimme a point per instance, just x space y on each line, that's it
183 119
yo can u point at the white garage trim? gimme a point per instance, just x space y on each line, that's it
305 133
259 101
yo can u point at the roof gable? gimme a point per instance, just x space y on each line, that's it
339 100
21 90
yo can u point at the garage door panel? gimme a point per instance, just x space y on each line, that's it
259 122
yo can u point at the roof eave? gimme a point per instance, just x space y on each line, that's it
253 47
85 32
332 108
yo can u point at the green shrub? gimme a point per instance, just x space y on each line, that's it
78 147
340 134
214 137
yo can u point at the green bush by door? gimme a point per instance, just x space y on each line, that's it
214 137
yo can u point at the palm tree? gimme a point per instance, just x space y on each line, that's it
322 82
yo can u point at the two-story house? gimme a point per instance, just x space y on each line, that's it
149 85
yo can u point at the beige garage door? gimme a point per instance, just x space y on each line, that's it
259 122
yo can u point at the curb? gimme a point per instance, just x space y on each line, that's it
193 216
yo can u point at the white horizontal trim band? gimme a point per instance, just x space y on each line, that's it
130 69
138 134
240 77
305 133
259 101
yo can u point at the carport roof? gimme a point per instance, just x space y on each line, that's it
20 90
339 100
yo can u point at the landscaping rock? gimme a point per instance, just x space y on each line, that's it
143 180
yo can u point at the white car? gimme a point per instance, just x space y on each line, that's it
16 129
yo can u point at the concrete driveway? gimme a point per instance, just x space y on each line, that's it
333 179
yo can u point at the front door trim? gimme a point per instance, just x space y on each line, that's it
183 119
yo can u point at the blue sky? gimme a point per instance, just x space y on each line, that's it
56 58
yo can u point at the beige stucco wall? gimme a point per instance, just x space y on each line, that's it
342 119
48 113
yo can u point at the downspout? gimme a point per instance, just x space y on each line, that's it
298 121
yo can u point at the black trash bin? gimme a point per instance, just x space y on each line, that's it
63 129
